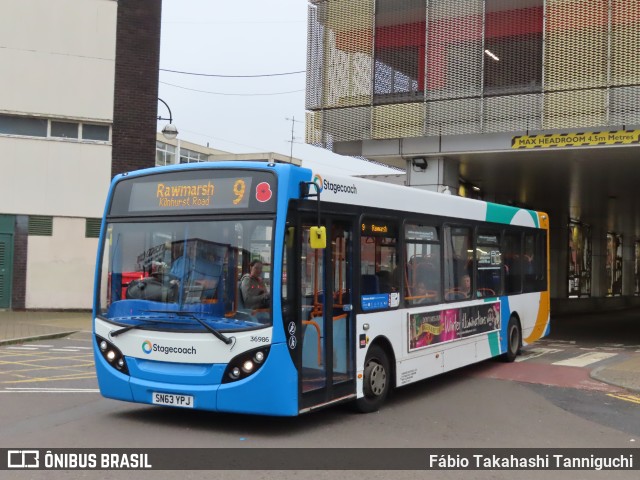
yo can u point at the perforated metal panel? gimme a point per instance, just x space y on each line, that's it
454 49
315 59
576 44
625 42
425 68
348 124
313 129
513 47
347 52
400 38
398 121
454 117
512 113
575 109
625 105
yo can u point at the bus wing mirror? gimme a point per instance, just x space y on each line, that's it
318 237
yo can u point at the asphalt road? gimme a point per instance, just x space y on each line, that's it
49 399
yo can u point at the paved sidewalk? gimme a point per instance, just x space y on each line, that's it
20 327
625 374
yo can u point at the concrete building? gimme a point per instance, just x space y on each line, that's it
56 115
171 152
524 102
78 105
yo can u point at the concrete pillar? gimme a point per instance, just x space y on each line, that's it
559 254
437 174
628 263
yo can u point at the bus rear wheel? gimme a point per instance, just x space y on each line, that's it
376 380
514 340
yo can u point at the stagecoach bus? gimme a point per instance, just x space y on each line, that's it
364 287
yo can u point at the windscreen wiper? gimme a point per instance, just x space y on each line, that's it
138 325
180 313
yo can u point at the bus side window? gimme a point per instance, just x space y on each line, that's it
423 267
378 258
535 262
512 262
489 263
458 260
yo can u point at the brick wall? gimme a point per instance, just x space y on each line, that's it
19 281
135 108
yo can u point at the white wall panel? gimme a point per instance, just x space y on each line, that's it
60 268
59 57
50 177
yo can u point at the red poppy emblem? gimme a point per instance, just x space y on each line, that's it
263 192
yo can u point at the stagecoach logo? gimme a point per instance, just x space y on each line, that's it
146 347
317 179
333 187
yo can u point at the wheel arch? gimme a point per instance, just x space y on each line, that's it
384 343
505 330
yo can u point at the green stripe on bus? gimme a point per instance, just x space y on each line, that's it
500 213
504 214
494 344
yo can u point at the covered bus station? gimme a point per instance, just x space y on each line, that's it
534 103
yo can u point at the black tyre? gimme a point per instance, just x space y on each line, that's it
514 340
376 382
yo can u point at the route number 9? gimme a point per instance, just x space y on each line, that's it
239 188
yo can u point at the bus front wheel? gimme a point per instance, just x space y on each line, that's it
514 340
376 380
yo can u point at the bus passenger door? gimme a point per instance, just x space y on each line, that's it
327 371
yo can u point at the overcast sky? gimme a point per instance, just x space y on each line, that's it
241 115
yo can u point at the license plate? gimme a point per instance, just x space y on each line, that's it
173 400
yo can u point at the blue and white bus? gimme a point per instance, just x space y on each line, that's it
371 286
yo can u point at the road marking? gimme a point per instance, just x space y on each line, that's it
39 368
50 390
40 346
536 352
22 348
71 376
64 349
626 398
585 359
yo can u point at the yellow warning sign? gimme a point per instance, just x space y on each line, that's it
556 140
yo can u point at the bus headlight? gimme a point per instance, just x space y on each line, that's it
112 355
247 367
245 364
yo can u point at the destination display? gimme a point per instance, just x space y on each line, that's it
376 228
205 191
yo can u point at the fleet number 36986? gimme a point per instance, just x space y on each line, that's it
260 339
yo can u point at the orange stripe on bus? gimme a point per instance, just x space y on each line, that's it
541 320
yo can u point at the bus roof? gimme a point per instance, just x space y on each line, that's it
366 192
